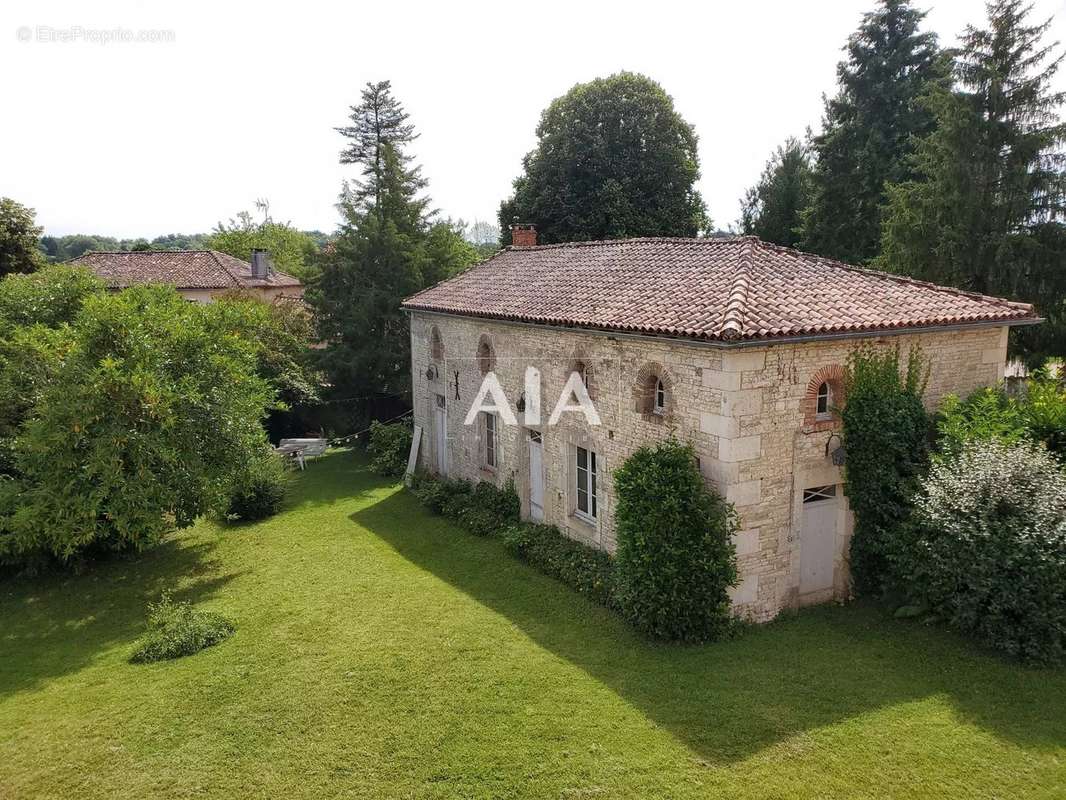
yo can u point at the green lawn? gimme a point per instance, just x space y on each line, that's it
380 652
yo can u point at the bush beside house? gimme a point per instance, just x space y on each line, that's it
971 531
676 560
990 546
389 447
886 431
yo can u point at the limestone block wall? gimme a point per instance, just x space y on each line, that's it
747 412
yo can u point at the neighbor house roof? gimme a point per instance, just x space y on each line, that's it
183 269
728 289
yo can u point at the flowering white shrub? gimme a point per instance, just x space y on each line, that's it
990 549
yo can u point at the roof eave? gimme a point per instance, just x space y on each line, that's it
866 333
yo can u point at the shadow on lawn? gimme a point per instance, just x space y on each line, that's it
56 624
731 699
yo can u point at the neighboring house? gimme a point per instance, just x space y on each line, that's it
732 344
199 275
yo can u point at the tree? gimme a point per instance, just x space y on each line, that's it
19 235
868 130
378 135
387 248
281 334
613 159
145 424
772 208
291 251
985 209
35 310
485 237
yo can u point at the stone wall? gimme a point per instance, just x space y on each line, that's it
747 412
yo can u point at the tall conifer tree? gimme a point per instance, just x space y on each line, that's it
772 208
985 211
387 248
868 130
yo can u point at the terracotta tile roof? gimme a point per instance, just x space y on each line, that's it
183 269
723 289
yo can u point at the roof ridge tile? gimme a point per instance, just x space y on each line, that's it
732 326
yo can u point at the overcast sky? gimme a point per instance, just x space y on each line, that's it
145 138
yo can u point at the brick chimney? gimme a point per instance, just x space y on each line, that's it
523 234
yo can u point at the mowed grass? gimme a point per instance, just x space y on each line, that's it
381 652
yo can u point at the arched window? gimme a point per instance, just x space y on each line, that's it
822 401
653 393
436 345
486 357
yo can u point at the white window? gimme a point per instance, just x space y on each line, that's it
660 397
586 483
824 398
492 442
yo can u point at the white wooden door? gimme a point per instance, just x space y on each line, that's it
818 539
536 476
440 431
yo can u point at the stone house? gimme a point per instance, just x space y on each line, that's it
732 344
198 275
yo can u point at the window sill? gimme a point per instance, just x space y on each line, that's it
489 470
584 519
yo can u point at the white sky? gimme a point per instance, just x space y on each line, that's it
141 139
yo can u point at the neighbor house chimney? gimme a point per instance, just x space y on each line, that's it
523 234
260 264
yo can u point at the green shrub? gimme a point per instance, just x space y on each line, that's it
488 510
432 493
389 448
482 509
985 414
989 413
260 490
886 437
675 559
1045 412
585 569
990 550
178 629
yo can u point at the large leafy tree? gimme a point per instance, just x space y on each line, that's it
291 251
19 236
985 210
772 209
388 247
868 130
143 421
613 159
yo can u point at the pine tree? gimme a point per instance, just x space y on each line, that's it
772 208
868 130
378 134
985 211
388 247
